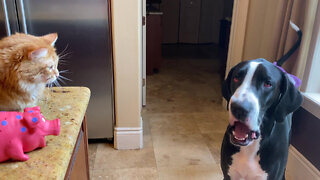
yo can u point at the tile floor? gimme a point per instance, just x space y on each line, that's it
183 121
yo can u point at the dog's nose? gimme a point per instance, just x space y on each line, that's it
240 111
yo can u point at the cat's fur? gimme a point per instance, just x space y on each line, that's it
27 64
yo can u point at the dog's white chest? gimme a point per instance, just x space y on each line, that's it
245 164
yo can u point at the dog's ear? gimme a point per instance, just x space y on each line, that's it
289 101
226 91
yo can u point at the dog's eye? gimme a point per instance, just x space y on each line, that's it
235 79
267 84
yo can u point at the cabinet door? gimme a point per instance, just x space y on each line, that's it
170 21
189 21
211 14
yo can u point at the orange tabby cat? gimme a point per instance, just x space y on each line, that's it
27 64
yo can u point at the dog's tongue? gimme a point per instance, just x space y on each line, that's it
241 130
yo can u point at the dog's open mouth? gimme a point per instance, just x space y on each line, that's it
242 135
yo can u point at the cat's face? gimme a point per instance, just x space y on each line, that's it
27 64
40 64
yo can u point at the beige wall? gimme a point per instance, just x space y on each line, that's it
266 29
256 30
262 33
126 32
267 33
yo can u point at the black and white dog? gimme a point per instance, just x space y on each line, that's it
261 99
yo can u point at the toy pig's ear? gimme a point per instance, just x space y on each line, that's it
32 109
32 118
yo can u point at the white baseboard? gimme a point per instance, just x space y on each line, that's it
299 167
128 137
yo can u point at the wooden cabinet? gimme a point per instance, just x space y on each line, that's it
189 21
79 164
170 20
193 21
154 37
210 16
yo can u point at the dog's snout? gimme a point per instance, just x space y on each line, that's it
240 110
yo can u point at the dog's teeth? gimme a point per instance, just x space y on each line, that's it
238 138
241 139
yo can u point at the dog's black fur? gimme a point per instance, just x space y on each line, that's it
276 107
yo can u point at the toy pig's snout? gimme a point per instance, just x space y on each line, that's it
53 127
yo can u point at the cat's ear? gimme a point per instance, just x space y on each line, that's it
51 38
38 53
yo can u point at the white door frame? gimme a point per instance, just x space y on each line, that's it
144 75
237 33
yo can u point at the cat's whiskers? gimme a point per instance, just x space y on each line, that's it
64 71
62 56
63 61
63 51
58 79
49 85
64 78
56 83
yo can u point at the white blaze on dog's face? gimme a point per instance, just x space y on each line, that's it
254 86
245 94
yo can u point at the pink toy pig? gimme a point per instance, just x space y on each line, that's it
23 132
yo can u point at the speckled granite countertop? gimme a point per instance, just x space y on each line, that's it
69 104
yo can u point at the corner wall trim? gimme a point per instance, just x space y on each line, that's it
128 137
238 33
299 167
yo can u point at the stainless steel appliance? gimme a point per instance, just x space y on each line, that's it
83 28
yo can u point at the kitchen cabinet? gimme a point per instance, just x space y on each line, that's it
154 37
192 21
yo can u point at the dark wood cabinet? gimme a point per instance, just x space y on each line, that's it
154 39
79 164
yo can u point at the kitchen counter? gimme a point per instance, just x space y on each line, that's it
69 104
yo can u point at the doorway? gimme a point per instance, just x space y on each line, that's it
183 120
187 39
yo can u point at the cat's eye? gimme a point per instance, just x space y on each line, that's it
50 67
